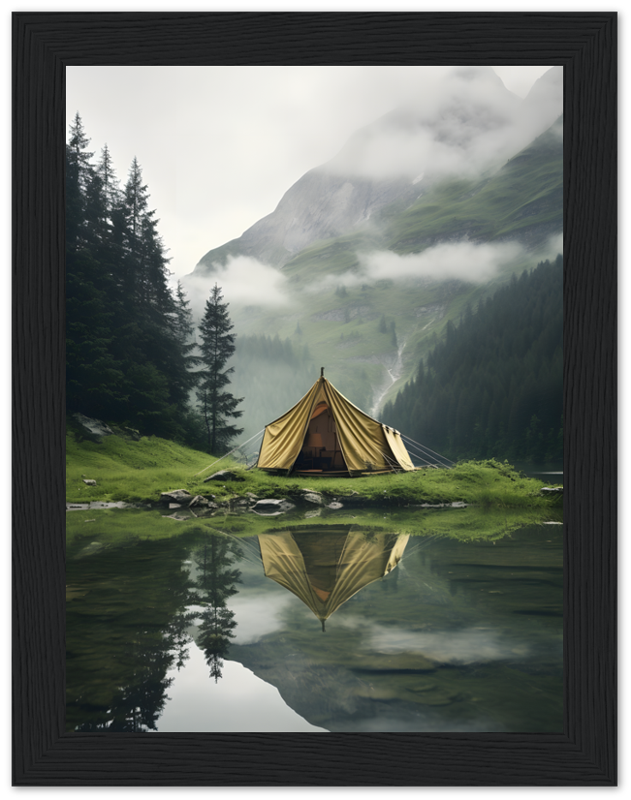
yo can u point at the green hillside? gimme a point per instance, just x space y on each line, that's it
525 194
342 321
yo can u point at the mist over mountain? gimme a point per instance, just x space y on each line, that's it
427 210
462 126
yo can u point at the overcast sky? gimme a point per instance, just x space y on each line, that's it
219 146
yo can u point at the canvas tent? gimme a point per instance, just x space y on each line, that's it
325 432
326 568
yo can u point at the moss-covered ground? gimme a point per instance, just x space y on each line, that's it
137 471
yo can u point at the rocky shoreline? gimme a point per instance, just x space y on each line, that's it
183 505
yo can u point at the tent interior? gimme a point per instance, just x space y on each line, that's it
320 451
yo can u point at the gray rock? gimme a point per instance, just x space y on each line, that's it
459 504
198 500
93 426
548 490
223 475
89 482
313 497
90 550
176 496
272 506
335 505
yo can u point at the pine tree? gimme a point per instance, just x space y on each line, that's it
78 175
105 170
217 346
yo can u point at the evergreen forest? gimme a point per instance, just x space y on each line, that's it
128 357
134 356
493 387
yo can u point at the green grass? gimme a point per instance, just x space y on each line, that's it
139 471
127 470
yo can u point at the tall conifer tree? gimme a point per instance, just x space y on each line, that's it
217 346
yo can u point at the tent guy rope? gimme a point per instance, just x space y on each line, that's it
230 453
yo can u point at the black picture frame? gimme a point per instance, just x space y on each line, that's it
585 754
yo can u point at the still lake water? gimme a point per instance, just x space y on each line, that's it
317 625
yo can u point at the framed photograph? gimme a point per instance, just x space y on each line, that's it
584 46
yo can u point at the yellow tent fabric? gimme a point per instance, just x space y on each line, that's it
365 444
326 568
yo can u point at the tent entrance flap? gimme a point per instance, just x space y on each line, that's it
320 447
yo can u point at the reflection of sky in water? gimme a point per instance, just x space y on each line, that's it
238 702
258 613
426 721
468 646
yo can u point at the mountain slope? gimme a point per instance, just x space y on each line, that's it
495 384
367 268
470 127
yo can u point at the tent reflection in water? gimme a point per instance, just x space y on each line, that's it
327 566
325 433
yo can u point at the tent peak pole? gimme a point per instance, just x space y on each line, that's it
322 372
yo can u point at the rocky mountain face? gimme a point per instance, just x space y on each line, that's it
367 259
321 205
468 132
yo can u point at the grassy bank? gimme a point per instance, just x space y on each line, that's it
138 471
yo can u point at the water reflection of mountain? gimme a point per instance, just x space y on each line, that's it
325 567
470 640
423 633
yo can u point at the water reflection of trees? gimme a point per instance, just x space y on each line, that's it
216 582
131 624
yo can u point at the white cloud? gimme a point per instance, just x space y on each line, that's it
461 122
244 281
466 261
554 246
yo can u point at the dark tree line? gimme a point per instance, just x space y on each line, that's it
130 353
494 386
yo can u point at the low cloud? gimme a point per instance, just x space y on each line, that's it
465 261
460 123
554 246
244 281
